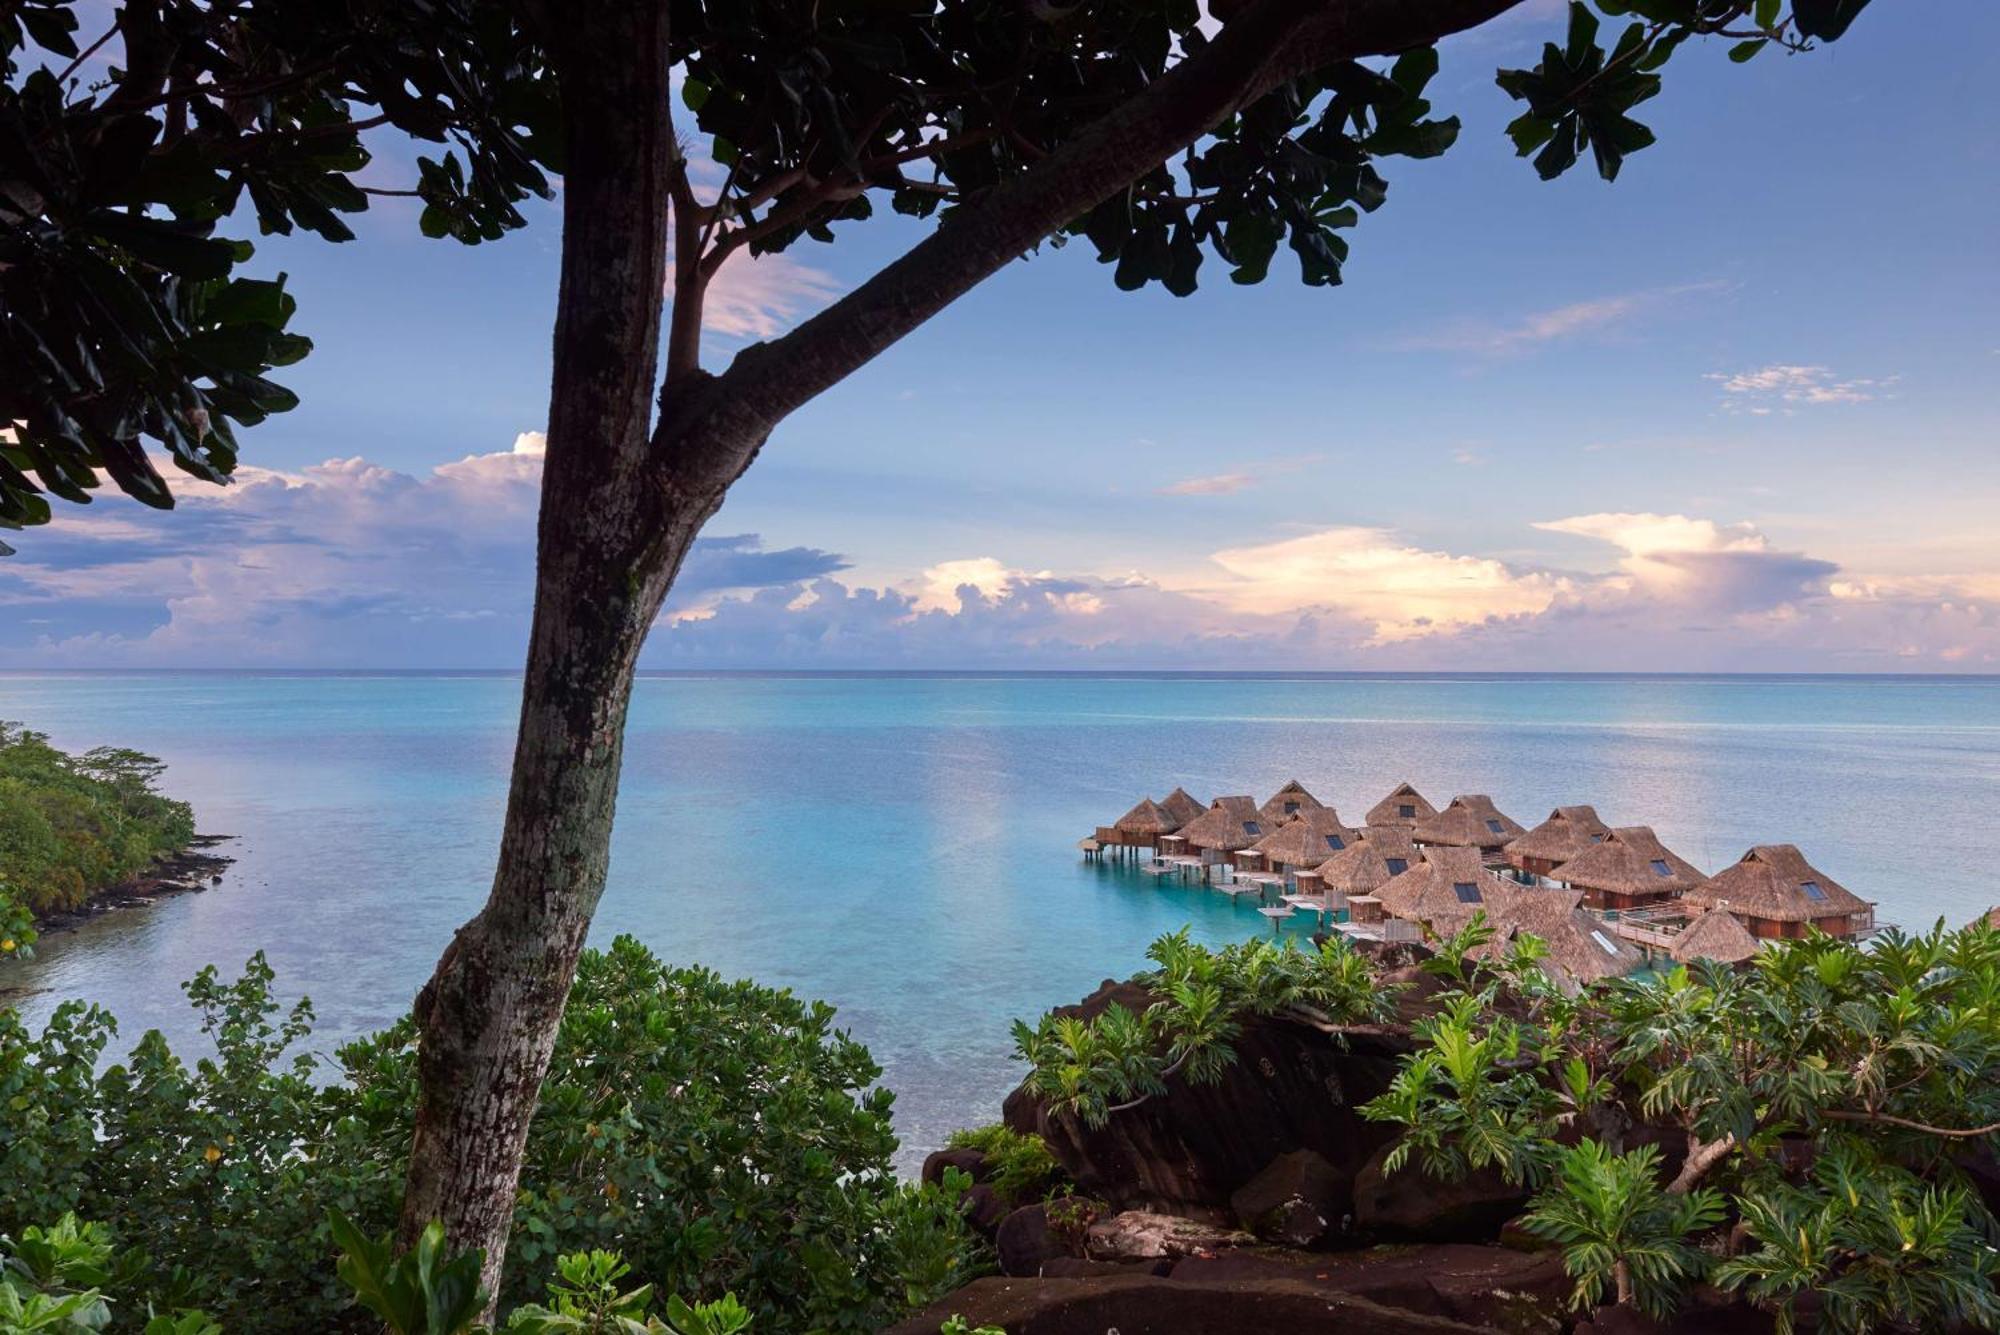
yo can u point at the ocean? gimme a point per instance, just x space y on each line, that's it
904 846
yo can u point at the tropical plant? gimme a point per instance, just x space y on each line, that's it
1018 1166
1620 1230
53 1280
1199 997
775 1184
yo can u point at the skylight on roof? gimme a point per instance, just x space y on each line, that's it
1251 827
1291 808
1596 838
1604 941
1396 866
1496 827
1660 867
1333 842
1467 892
1406 810
1812 889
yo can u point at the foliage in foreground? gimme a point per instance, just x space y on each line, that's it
1019 1167
723 1137
71 826
1798 1131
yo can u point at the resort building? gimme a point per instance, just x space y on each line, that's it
1444 888
1230 825
1470 821
1629 868
1287 802
1145 824
1582 948
1305 841
1715 935
1776 893
1566 833
1181 806
1405 807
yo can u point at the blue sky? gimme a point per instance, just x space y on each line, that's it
1734 411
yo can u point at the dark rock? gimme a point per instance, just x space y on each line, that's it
1026 1243
1411 1206
983 1209
1299 1200
970 1162
1140 1305
1491 1287
1082 1267
1142 1235
1714 1316
1291 1087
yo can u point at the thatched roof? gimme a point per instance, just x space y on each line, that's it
1229 824
1631 861
1288 802
1581 948
1991 918
1148 818
1715 935
1567 832
1307 839
1470 821
1444 888
1391 841
1776 883
1405 806
1181 806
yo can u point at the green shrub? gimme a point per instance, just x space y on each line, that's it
722 1136
1019 1167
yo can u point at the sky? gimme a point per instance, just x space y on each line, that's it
1735 412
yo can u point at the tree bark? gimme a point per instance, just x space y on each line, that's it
611 531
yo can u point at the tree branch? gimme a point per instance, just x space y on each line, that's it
1700 1159
1884 1119
1272 42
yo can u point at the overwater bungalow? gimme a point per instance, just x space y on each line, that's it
1444 887
1469 821
1305 841
1629 868
1581 948
1566 833
1362 868
1146 823
1182 806
1715 935
1991 918
1230 825
1405 807
1287 802
1776 893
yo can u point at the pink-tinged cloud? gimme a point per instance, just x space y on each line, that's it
1789 387
762 296
1504 337
350 564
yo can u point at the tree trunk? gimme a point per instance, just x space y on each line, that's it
1621 1280
613 531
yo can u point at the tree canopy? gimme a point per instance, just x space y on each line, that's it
136 161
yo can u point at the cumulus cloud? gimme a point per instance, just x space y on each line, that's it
1789 387
350 564
1498 338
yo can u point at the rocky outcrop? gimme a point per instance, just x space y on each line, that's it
1147 1305
1412 1206
1299 1200
1024 1242
1142 1235
1292 1087
970 1162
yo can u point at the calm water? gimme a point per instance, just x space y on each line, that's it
904 846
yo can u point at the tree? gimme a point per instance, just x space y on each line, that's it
1129 123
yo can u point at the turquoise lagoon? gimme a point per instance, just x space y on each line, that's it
904 845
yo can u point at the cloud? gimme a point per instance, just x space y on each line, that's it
350 564
1788 387
1490 338
1222 484
761 296
1400 590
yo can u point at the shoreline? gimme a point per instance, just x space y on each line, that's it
191 871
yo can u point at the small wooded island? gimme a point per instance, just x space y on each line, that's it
80 833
